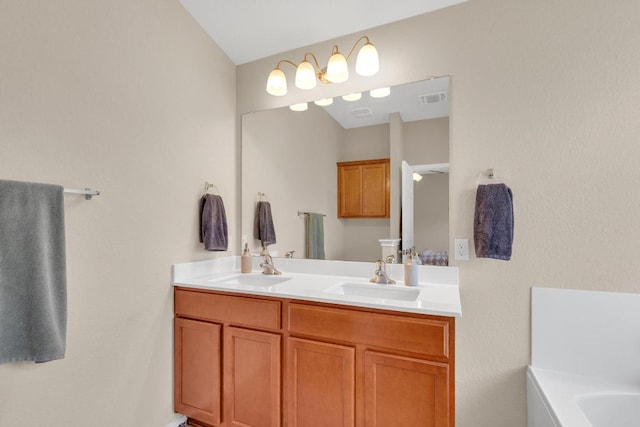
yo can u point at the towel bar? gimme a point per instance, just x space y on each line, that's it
300 213
88 193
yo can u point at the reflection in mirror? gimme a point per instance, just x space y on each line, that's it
428 232
291 157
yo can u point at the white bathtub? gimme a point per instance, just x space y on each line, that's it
557 399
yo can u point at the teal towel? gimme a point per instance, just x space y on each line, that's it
315 236
33 288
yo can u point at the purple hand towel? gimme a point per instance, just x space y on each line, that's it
213 223
493 222
263 229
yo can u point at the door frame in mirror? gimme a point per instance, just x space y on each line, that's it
408 170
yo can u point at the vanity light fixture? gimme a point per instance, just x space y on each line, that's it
336 71
380 92
299 107
352 96
324 102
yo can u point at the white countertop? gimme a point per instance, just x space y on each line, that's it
318 280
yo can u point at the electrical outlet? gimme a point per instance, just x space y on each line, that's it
462 250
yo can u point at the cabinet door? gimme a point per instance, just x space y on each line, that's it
349 191
405 392
320 384
363 189
375 190
251 378
197 370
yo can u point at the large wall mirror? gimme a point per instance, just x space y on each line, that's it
289 159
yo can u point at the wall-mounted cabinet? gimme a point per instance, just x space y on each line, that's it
363 189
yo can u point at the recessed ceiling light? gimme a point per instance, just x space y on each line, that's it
299 107
323 102
380 92
352 96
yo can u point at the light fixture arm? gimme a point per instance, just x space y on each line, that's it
314 60
287 61
354 46
320 73
336 71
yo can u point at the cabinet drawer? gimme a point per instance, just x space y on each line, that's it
425 336
228 309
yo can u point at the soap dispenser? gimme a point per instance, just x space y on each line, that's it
245 260
411 271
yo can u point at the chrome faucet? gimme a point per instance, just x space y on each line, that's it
289 254
267 265
381 276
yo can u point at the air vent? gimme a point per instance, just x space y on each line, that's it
433 98
362 112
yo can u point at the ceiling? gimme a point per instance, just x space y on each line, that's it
247 30
425 99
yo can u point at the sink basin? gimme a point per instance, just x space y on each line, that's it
250 280
375 291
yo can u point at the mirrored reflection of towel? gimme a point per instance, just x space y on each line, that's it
213 223
263 229
315 236
493 222
33 278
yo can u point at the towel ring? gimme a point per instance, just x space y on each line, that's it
490 174
208 186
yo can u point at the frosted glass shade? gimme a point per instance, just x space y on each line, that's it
367 63
323 102
305 76
337 70
298 107
277 83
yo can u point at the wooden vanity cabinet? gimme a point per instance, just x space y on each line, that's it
320 384
363 189
197 357
227 349
251 377
404 366
252 362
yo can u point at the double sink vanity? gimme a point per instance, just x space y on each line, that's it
318 345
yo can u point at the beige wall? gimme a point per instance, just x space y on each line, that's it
365 143
291 157
426 141
133 99
360 238
545 93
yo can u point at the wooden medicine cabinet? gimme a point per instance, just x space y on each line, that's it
363 189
